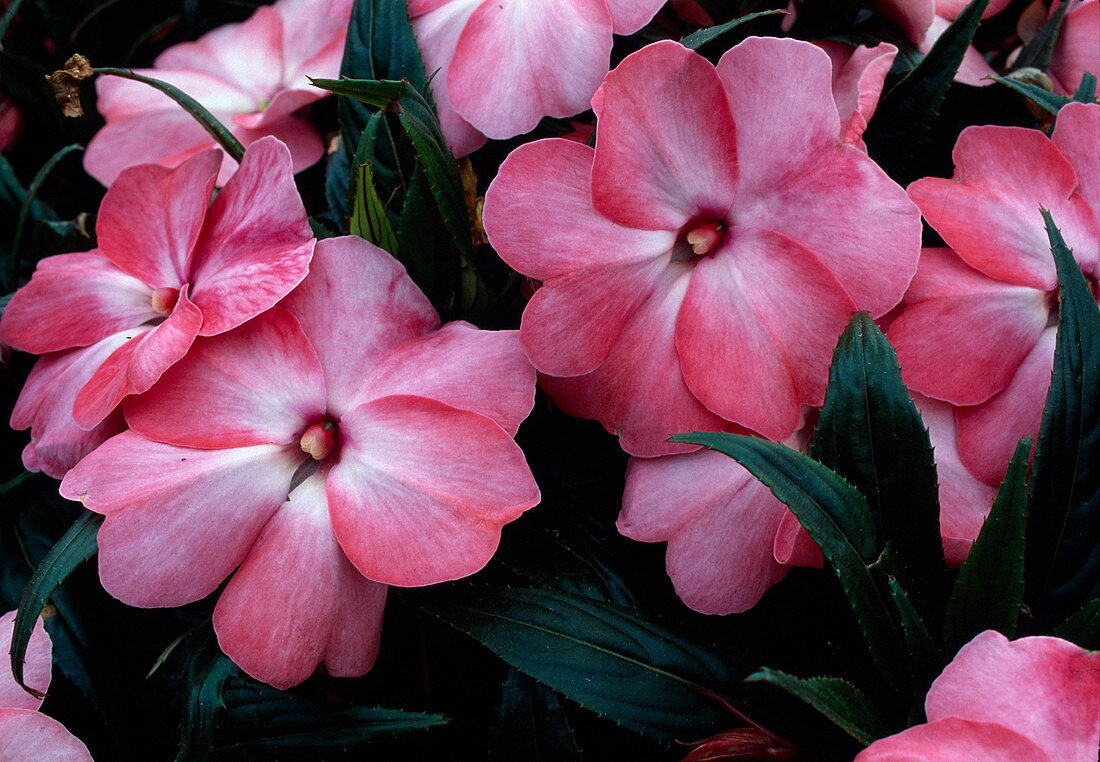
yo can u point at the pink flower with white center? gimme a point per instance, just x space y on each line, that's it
700 262
26 733
170 266
1027 700
548 57
251 76
337 444
979 324
1077 49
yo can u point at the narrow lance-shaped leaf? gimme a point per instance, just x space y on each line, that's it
839 521
207 673
75 547
368 214
605 657
990 587
698 39
1063 523
925 655
1045 99
1086 91
28 202
1036 53
871 434
1083 627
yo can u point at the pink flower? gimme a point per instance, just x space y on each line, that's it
1028 700
978 328
11 123
547 58
170 266
699 264
252 76
1076 50
26 733
858 76
379 453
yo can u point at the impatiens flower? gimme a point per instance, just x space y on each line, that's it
337 444
26 733
170 266
978 328
1076 50
1028 700
700 262
858 77
252 76
548 57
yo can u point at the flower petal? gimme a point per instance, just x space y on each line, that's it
32 735
1077 134
36 666
628 16
858 76
954 740
1076 51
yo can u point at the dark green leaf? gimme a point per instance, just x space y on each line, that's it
605 657
1086 91
698 39
368 214
838 520
871 434
74 548
840 701
925 657
421 238
1047 100
1036 53
1083 628
209 122
208 669
990 586
28 199
532 724
1063 523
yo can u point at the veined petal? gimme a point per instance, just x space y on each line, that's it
793 545
953 740
628 16
296 597
858 76
654 169
1077 134
1076 51
25 734
306 146
409 499
36 666
178 520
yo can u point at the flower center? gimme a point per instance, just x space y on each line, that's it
702 238
164 299
319 440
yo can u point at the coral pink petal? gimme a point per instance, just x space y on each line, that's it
408 499
306 146
548 58
349 276
988 433
949 9
964 500
846 211
227 393
45 405
551 229
756 331
628 16
257 243
793 545
954 740
1044 688
178 520
572 322
638 393
989 211
26 735
718 520
1077 133
781 97
858 76
150 220
136 365
165 137
281 612
973 70
36 666
485 372
1076 50
965 346
74 300
653 168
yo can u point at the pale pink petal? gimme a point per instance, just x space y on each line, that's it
45 405
296 597
306 146
313 40
1076 50
1044 688
150 220
547 60
409 500
988 433
793 545
949 9
756 331
954 740
257 243
259 384
638 393
36 666
973 70
858 76
349 276
1077 133
962 335
485 372
282 105
118 98
718 520
137 364
628 16
27 735
781 96
540 218
989 211
74 300
655 169
178 520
